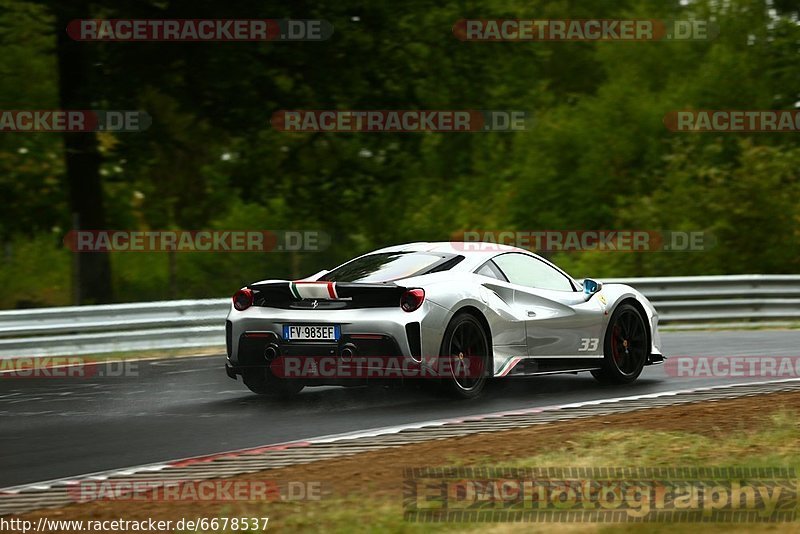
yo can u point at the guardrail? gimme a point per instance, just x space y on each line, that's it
113 328
689 302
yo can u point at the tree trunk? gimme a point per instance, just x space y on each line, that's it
81 154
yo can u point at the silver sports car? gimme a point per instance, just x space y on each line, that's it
454 314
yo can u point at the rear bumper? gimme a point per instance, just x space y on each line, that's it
353 359
258 349
371 331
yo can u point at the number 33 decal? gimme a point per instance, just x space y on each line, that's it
588 344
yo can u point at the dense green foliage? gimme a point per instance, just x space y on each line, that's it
597 157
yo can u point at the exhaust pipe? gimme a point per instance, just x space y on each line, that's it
271 352
348 351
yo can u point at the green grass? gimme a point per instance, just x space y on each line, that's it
722 328
154 353
83 359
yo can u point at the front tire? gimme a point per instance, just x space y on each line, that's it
625 347
466 349
263 382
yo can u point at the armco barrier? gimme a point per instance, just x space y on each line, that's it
733 300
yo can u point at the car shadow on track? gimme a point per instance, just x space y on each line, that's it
499 394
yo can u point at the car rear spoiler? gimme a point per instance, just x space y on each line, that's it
359 294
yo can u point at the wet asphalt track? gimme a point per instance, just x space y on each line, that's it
58 427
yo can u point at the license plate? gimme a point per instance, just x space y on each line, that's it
310 333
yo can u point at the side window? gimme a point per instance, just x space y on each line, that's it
490 269
527 271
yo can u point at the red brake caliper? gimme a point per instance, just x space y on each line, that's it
615 344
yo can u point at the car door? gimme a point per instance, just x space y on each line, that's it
560 321
511 330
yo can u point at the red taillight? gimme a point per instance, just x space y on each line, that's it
412 299
243 299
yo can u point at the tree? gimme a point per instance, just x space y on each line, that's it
81 155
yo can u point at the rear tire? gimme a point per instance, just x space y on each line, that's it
625 347
263 382
466 348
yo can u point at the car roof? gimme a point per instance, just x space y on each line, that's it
475 253
452 247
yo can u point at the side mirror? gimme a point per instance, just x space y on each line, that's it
590 287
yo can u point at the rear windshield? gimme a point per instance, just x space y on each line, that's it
385 267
